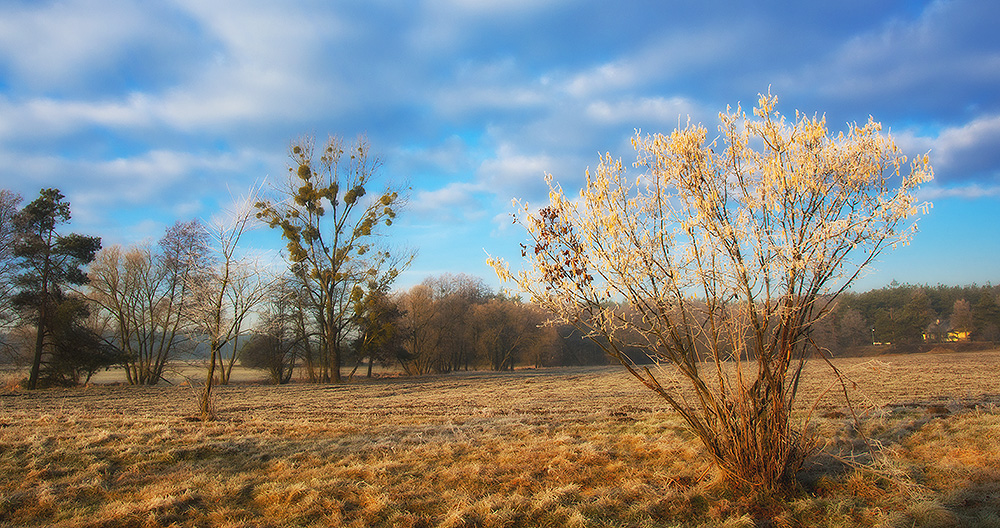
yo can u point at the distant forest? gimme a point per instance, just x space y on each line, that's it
445 317
911 318
456 322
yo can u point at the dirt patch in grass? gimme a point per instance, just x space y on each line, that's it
552 447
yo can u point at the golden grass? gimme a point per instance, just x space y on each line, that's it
561 447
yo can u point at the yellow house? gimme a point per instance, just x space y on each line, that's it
956 335
942 331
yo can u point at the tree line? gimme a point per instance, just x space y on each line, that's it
70 307
189 294
143 306
901 316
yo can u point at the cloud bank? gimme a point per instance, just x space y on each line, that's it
143 111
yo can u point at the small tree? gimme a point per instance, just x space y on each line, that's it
47 262
280 336
720 251
380 329
505 329
77 351
268 352
227 294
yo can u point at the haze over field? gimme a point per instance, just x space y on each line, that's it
144 113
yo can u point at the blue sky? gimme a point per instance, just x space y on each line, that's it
146 112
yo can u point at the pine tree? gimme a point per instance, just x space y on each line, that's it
47 261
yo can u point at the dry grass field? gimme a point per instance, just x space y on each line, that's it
561 447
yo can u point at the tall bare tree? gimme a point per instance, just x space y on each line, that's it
145 295
423 333
721 249
438 316
455 297
334 230
381 332
505 331
9 202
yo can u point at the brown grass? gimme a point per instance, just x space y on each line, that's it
560 447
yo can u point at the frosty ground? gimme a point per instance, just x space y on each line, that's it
547 447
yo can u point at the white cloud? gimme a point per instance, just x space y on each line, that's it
158 180
443 26
52 118
240 97
60 42
512 174
270 64
970 191
495 7
959 153
164 167
273 63
502 222
463 100
606 77
26 173
223 99
668 111
963 145
489 86
660 60
934 59
457 201
452 155
269 34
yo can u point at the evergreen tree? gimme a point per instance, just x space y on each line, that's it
76 352
986 317
916 316
47 261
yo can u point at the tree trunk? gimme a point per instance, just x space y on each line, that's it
335 366
205 407
36 363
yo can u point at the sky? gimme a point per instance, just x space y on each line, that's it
147 112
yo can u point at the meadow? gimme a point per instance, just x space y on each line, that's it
584 447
